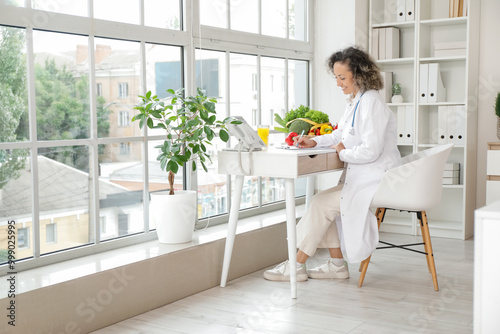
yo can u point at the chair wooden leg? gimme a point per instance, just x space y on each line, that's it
363 267
426 237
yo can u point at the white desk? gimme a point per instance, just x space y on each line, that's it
288 164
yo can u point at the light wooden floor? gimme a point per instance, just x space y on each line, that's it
397 297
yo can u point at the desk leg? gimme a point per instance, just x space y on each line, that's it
311 181
291 231
231 228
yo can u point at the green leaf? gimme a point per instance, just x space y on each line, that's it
192 123
203 165
156 113
224 136
210 135
160 126
210 106
194 165
148 95
172 166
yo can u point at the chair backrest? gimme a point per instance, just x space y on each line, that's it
417 184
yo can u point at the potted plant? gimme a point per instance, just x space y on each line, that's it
396 93
190 124
497 112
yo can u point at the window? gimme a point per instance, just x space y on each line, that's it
23 238
123 118
124 148
51 233
82 97
276 18
122 90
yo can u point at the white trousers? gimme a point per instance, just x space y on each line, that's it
317 227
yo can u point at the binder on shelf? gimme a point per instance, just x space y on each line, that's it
401 124
375 43
391 43
451 124
410 10
457 119
401 10
435 89
386 92
441 125
423 82
409 123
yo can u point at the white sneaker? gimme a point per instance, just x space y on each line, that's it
329 270
281 273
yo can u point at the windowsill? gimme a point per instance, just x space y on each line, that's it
52 274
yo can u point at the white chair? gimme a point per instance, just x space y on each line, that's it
415 186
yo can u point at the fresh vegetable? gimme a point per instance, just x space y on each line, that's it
325 128
289 139
299 125
299 112
317 116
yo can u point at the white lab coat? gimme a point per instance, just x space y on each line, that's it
368 154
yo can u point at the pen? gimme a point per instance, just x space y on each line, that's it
300 137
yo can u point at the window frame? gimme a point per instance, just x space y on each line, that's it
191 36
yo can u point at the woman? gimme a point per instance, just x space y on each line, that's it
340 218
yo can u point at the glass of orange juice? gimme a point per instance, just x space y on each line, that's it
263 132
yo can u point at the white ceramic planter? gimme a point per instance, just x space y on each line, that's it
174 215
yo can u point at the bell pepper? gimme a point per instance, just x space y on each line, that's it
325 128
289 139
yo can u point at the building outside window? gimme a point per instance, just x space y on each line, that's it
123 118
123 90
51 233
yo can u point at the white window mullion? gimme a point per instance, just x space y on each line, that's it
287 97
228 113
30 69
94 146
259 117
145 153
287 18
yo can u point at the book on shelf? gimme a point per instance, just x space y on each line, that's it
385 43
386 92
450 49
457 8
451 173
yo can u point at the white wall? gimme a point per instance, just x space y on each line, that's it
338 24
489 86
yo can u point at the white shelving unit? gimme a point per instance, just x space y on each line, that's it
454 216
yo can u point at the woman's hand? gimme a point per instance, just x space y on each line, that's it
304 142
339 147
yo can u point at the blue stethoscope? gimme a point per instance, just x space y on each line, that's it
351 131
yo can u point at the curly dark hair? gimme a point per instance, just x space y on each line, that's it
364 70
